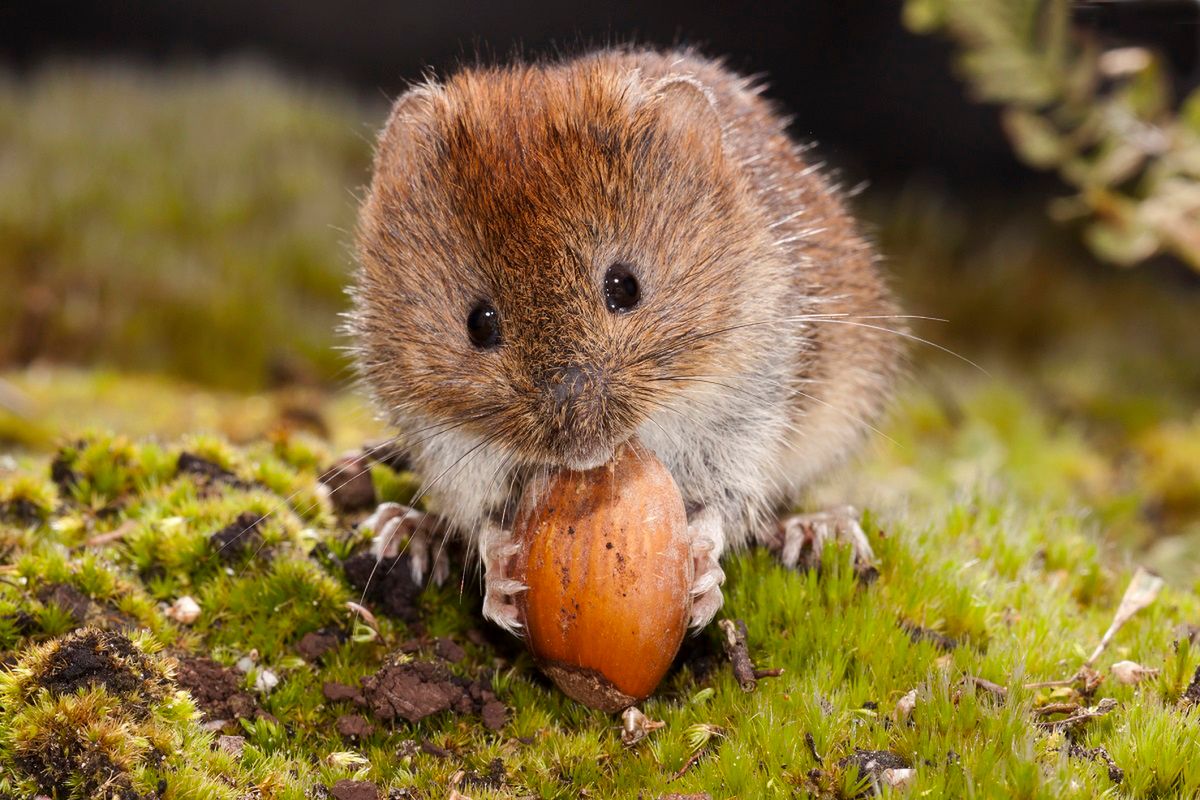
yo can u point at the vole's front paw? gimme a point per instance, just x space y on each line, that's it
500 590
708 540
400 529
801 538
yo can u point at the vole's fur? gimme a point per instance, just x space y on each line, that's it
754 362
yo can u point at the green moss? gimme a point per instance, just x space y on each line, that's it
983 539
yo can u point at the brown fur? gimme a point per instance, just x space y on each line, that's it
521 185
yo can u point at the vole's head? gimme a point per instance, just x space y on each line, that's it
551 255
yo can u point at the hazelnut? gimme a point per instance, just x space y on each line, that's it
606 556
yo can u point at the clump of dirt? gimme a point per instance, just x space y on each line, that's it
388 587
72 601
90 737
62 468
209 474
238 538
22 511
342 692
217 690
349 483
314 645
354 790
413 690
354 726
66 759
449 650
90 657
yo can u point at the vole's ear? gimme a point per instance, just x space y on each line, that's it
409 125
684 106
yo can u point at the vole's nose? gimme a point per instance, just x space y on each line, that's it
567 385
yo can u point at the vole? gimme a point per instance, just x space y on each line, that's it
556 256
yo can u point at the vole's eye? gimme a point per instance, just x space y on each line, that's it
483 326
621 290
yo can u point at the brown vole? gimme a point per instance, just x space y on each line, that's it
557 256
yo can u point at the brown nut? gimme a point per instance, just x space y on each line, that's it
607 560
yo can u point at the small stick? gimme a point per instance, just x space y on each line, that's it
986 685
1099 710
116 534
738 654
696 756
1057 708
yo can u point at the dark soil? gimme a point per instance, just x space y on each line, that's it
90 658
414 690
390 590
211 475
217 690
74 602
494 714
354 726
63 760
316 644
341 692
449 650
22 511
350 485
238 538
62 470
354 790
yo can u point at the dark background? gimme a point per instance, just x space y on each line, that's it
882 103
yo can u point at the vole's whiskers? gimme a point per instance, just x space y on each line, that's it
460 462
286 502
366 453
903 334
848 414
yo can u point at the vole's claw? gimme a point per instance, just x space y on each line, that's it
706 599
399 528
499 603
707 541
801 538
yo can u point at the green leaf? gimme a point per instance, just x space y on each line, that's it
1034 138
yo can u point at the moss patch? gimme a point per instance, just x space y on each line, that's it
992 580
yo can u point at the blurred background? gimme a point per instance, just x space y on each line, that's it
178 185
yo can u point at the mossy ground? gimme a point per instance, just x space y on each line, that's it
983 536
1008 510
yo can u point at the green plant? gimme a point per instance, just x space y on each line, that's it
1103 119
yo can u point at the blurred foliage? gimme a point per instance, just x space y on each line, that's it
58 402
191 221
1102 118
